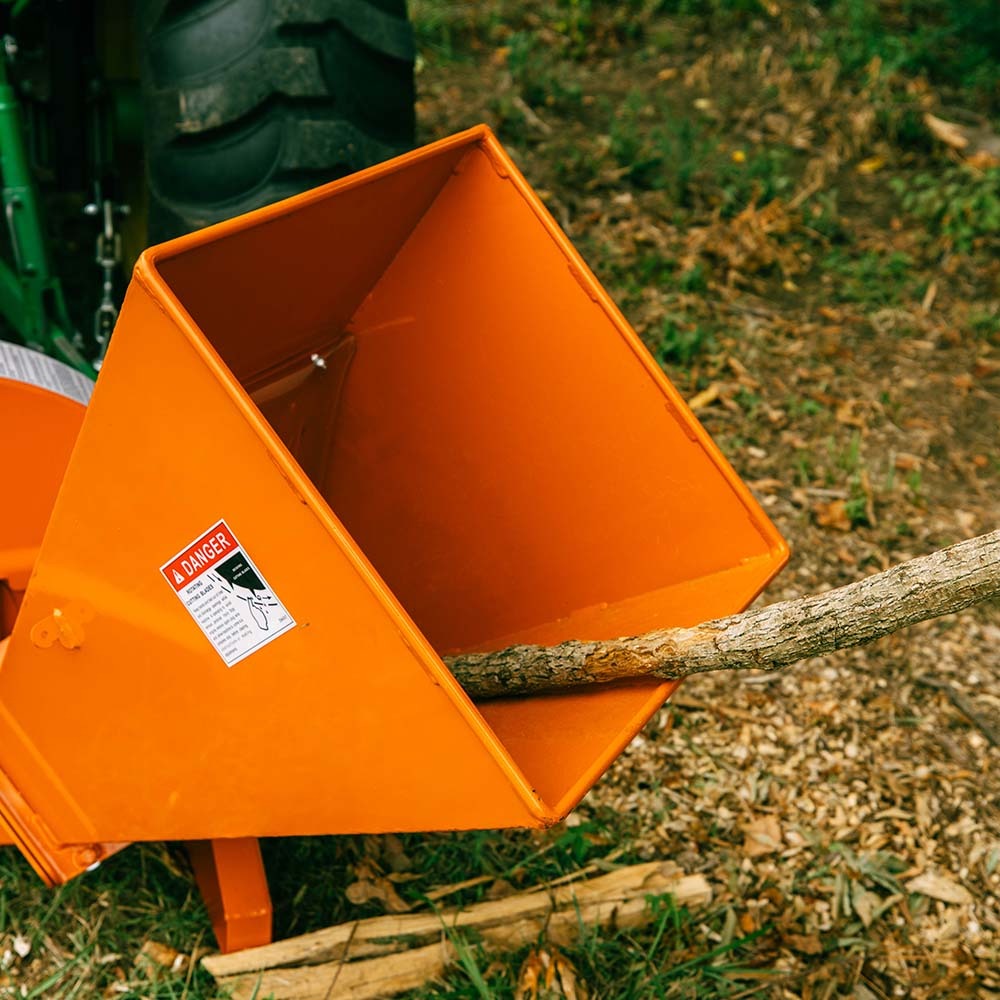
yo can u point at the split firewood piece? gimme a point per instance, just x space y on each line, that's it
382 956
766 638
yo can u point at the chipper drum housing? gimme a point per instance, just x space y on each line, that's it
387 420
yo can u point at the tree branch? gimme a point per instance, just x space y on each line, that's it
766 638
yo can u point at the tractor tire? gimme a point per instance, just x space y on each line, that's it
250 101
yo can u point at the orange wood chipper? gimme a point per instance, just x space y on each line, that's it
333 440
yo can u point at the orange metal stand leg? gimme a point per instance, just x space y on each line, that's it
233 883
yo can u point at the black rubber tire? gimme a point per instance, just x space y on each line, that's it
249 101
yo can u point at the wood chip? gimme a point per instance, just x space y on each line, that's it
762 836
938 887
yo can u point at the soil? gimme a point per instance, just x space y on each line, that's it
849 803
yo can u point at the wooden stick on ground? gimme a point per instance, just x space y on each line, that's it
382 956
766 638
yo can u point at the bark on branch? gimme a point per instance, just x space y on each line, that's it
766 638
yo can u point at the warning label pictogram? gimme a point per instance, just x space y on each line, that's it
226 595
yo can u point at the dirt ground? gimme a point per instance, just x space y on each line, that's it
848 364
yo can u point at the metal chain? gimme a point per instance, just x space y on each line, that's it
108 258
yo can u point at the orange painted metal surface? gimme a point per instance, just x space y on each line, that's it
39 428
430 430
233 884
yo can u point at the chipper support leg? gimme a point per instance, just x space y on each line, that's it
232 881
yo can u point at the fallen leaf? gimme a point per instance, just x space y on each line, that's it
768 485
983 159
938 887
528 978
155 955
966 522
905 462
832 514
742 373
547 974
500 889
705 398
808 944
399 860
864 903
372 886
984 367
871 165
845 414
565 975
762 836
381 890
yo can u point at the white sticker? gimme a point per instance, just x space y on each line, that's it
226 594
25 365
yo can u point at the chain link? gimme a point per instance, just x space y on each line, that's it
108 257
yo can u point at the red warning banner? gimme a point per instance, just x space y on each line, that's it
217 543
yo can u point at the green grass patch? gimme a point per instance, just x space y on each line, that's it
661 148
870 277
959 205
668 957
85 936
681 342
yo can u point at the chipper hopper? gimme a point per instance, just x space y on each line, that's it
334 440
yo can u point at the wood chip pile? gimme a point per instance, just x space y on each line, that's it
843 800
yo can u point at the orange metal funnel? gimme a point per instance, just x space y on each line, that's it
389 419
42 403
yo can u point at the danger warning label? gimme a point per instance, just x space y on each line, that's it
226 595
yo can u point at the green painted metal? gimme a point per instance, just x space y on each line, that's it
126 110
31 297
16 6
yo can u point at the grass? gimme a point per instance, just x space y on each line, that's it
959 205
684 155
681 343
84 937
871 278
522 858
668 957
